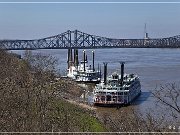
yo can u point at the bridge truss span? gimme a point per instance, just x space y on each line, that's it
81 40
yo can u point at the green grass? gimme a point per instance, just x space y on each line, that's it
74 118
91 124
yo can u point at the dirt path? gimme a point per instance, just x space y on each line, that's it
85 106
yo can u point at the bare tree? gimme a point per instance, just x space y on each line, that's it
25 92
169 96
31 98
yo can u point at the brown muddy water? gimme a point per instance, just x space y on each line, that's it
154 66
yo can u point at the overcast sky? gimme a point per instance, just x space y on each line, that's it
33 21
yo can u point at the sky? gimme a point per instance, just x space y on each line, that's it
113 20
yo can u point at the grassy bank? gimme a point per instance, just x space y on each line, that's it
32 100
74 118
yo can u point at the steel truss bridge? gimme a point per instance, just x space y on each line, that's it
80 40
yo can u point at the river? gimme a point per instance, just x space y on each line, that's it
154 66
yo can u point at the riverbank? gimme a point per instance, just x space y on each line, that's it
39 98
32 100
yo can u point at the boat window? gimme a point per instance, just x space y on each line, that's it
108 98
120 93
126 88
102 98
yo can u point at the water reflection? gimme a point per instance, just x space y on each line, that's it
142 98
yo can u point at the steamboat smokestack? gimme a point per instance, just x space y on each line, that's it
93 60
98 67
70 59
100 71
122 73
105 73
86 58
84 53
76 61
74 57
